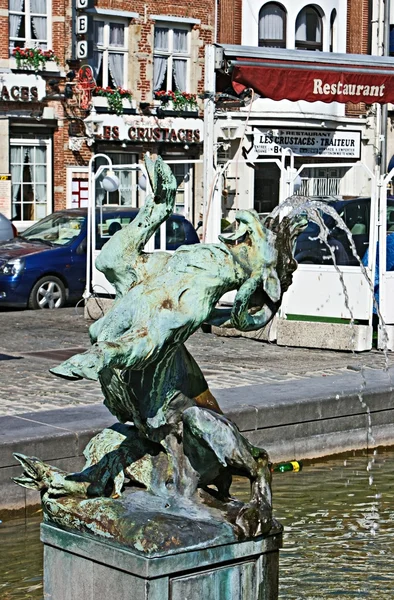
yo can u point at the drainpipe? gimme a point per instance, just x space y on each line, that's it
215 31
210 227
383 124
382 227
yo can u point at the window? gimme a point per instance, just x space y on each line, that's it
108 226
127 193
175 235
30 176
272 25
28 24
309 30
59 230
171 59
109 54
391 46
182 176
333 31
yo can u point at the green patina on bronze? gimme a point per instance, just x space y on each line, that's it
171 469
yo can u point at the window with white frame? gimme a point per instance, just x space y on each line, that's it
30 167
110 53
127 192
171 60
28 24
309 29
272 25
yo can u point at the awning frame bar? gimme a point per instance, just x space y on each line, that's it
226 52
247 63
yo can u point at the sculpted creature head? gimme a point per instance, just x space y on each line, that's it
264 251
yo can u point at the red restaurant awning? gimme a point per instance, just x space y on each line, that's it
282 74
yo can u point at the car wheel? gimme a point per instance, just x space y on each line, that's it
48 292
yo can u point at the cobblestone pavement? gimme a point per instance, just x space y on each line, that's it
26 384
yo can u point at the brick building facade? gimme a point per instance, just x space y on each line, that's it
48 139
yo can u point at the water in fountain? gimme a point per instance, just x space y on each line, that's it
295 206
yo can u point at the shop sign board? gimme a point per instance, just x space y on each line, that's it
18 87
5 195
335 143
149 129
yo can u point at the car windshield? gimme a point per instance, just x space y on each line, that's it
58 229
313 229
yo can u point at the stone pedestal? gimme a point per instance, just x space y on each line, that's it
78 565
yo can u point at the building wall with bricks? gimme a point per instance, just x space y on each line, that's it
61 120
73 134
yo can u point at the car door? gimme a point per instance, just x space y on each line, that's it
77 281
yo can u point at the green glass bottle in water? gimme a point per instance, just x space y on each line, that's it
293 465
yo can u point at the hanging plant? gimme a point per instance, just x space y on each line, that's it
35 58
114 97
180 100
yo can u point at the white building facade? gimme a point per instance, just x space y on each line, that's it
331 149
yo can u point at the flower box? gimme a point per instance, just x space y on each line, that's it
100 103
173 112
177 102
49 67
116 101
35 59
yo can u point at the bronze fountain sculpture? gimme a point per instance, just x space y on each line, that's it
161 477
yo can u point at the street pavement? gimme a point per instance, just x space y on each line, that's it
27 386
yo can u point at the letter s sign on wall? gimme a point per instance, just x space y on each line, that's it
82 49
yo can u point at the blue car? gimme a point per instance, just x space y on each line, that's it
46 266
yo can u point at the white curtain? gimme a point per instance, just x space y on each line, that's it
180 40
99 32
125 189
161 38
318 30
16 175
97 60
39 23
100 193
179 69
15 21
271 23
116 35
40 171
301 26
115 63
159 71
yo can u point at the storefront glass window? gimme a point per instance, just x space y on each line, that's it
30 172
171 59
28 24
109 55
